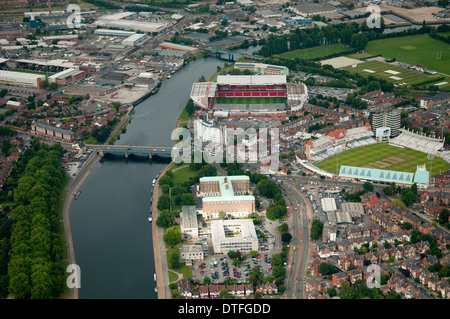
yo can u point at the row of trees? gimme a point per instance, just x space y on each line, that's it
351 34
405 197
34 267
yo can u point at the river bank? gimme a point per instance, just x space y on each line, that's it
115 245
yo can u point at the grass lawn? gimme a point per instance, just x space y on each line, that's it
251 100
415 49
384 154
185 270
183 174
315 52
398 76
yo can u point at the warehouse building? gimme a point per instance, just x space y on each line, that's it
134 39
117 20
21 78
66 76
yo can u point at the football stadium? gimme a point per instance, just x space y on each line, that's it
249 94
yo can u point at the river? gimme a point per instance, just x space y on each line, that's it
111 234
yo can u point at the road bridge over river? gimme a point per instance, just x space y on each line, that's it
131 150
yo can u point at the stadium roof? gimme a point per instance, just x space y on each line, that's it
421 177
55 62
251 79
376 174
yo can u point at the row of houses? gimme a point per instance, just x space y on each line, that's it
408 283
212 291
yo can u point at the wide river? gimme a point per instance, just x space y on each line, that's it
111 234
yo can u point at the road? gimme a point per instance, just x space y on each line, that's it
300 215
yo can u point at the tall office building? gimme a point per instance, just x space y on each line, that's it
386 118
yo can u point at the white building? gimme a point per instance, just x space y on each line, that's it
189 226
208 132
21 78
134 39
190 253
117 21
236 235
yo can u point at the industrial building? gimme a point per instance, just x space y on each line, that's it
235 234
66 76
134 39
118 20
21 78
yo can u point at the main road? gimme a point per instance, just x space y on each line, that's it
300 218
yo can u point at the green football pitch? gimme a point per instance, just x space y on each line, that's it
384 156
393 73
415 49
252 100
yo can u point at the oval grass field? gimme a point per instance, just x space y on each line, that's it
384 156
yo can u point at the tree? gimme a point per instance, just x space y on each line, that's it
231 254
326 269
368 186
6 146
187 199
175 261
172 236
165 180
408 198
163 202
443 216
399 203
286 238
316 229
165 219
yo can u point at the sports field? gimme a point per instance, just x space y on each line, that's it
399 76
384 156
252 100
315 52
415 49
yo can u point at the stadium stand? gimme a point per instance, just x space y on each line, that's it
418 142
